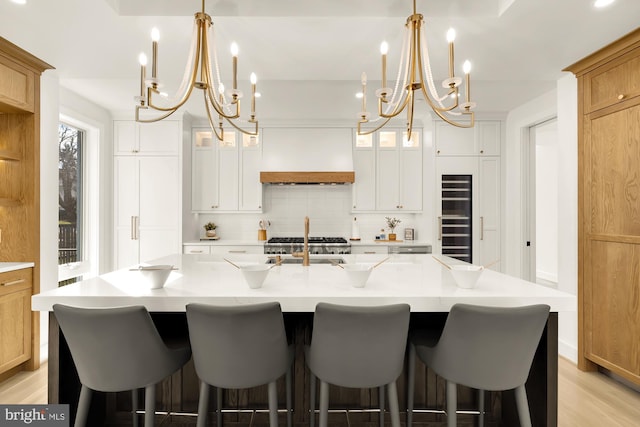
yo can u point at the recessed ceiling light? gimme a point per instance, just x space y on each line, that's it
602 3
19 1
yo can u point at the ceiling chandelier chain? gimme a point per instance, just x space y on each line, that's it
414 66
225 105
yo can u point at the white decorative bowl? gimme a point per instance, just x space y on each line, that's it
254 274
155 276
358 274
465 275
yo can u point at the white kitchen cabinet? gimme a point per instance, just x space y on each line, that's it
484 176
483 139
364 166
225 174
399 172
369 249
237 249
213 249
147 190
147 203
159 138
250 198
197 249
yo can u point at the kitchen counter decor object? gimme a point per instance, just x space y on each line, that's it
358 274
392 223
466 276
255 274
210 229
355 230
262 231
155 276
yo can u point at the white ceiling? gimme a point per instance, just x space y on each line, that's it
309 55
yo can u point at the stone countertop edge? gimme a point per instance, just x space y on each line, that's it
6 267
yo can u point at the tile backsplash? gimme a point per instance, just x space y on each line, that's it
328 208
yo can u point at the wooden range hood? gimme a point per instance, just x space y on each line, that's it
307 156
335 177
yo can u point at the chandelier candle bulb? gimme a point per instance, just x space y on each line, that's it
451 36
363 78
142 58
234 53
254 80
155 37
467 71
384 48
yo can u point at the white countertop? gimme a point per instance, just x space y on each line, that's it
363 242
370 242
223 242
414 279
5 267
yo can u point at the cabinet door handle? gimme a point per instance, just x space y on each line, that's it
134 227
439 228
196 252
621 96
370 252
481 228
238 252
13 282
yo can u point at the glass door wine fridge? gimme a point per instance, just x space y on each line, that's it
456 226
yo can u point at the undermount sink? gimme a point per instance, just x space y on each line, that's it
311 261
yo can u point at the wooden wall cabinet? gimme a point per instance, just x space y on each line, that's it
20 200
609 208
15 318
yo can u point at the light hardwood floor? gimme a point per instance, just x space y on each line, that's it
586 399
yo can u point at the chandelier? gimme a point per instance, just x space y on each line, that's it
200 73
414 75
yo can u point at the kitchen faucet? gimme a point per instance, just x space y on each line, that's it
305 250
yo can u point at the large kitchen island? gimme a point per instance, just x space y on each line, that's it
413 279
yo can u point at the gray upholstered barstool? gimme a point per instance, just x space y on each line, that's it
486 348
358 347
240 347
117 349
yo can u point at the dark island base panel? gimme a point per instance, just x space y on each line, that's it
180 392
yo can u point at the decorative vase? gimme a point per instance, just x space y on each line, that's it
392 236
211 233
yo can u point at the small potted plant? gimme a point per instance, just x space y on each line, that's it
210 229
392 223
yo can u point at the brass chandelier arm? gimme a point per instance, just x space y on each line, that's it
458 124
397 110
368 132
219 136
209 84
151 120
192 81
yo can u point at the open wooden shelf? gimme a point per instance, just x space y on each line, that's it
10 155
9 202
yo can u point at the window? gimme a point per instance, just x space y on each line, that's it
77 242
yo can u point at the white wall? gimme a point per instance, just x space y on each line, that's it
561 102
49 112
546 239
568 209
55 100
